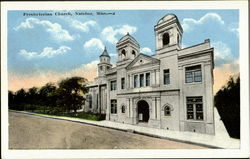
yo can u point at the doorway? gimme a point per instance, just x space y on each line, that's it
143 111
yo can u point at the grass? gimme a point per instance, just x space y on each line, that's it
80 115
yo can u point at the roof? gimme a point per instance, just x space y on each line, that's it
167 17
127 36
150 58
105 52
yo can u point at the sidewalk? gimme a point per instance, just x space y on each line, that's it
221 138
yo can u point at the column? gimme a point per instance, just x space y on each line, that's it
158 106
131 107
153 78
157 77
153 109
128 82
108 102
128 107
131 81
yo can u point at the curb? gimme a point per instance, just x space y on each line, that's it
119 129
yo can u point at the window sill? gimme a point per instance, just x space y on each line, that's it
166 116
193 83
195 121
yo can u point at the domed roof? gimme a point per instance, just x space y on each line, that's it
126 37
167 17
105 53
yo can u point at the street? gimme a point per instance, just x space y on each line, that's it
33 132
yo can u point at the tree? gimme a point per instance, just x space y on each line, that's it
32 95
48 95
20 99
227 101
11 97
71 92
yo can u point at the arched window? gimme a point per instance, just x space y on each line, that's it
165 39
123 54
133 53
178 38
123 109
167 111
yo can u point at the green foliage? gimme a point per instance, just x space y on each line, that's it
70 90
227 101
54 100
83 115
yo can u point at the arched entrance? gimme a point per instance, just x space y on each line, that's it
143 111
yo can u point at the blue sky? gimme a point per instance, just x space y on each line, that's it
48 48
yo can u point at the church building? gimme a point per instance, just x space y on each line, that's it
172 89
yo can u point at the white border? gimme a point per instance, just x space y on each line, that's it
244 74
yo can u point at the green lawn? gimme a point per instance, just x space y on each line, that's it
80 115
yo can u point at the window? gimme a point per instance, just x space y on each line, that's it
193 74
167 111
101 68
123 109
166 76
194 108
165 39
113 85
108 67
113 106
141 80
123 54
89 99
97 100
135 81
147 79
133 53
122 83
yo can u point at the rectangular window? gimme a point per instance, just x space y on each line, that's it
166 77
113 85
141 80
122 83
193 74
194 108
89 99
147 79
113 107
135 81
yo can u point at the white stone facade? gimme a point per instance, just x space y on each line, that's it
171 90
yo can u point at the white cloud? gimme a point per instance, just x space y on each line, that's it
83 26
48 52
94 44
222 53
188 23
110 33
114 55
54 29
234 28
225 64
146 50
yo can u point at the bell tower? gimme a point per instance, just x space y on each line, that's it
168 34
104 64
128 48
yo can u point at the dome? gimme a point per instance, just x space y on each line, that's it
127 37
105 52
167 18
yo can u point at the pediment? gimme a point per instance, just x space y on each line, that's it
142 60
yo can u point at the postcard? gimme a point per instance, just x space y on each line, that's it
124 79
